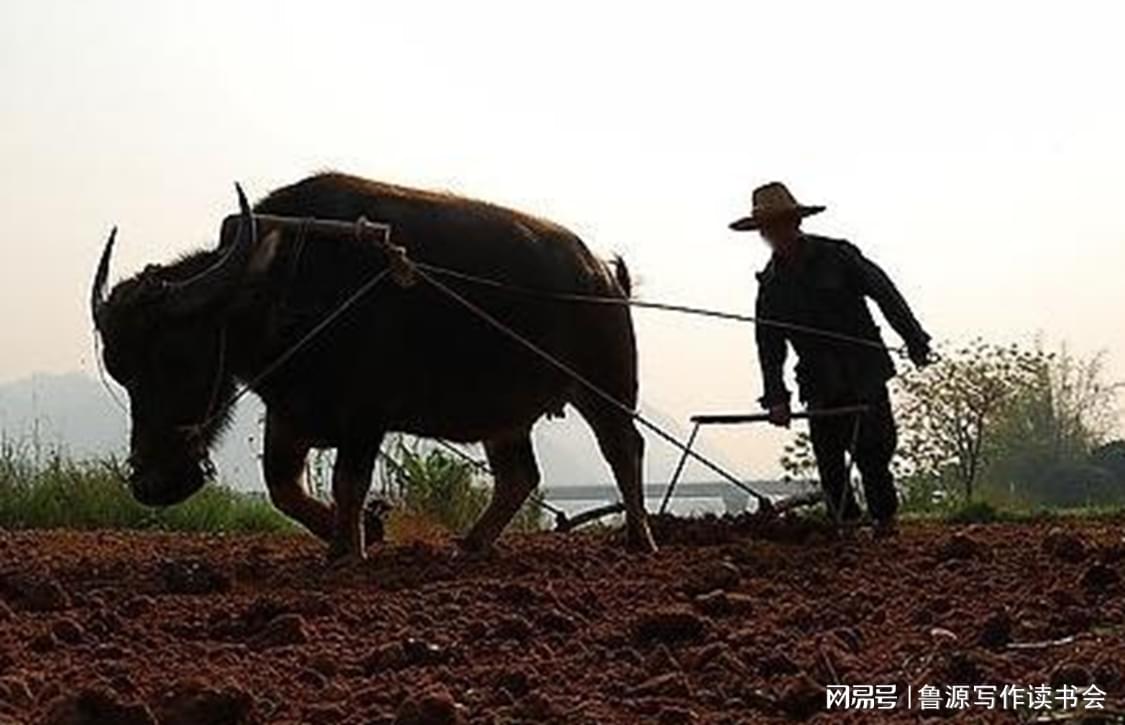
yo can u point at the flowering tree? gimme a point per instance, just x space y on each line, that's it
948 410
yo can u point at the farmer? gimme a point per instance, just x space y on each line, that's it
821 284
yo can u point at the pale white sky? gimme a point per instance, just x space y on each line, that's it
972 148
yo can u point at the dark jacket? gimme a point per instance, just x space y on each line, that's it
825 287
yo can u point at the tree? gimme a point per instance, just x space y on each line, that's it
1048 450
948 410
1071 409
1111 457
797 458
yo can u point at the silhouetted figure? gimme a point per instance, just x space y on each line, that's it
821 283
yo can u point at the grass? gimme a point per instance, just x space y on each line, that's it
437 496
54 492
985 512
992 511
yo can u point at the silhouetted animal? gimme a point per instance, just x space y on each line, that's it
180 336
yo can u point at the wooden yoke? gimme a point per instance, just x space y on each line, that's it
361 230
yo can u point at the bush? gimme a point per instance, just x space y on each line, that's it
435 485
973 512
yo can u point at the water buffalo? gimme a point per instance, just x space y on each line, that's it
179 337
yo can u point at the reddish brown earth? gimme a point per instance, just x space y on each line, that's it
730 622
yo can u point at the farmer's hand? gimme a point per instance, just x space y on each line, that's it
780 415
920 354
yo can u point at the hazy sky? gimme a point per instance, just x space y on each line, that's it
974 149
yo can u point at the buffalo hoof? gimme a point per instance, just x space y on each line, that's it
473 548
640 542
341 557
346 563
374 530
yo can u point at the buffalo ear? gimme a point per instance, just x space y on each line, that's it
218 282
264 253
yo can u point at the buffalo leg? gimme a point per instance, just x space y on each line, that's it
516 475
283 465
623 448
351 480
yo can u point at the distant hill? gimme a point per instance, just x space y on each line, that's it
76 413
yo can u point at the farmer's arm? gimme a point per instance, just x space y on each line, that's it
875 283
771 357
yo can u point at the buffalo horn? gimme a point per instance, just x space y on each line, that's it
97 292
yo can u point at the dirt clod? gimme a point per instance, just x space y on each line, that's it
720 603
669 625
196 703
436 707
43 642
1070 673
193 576
68 631
98 707
721 575
34 592
417 651
959 545
137 606
14 690
1100 578
515 682
1064 545
553 621
996 632
801 698
512 627
777 663
281 631
672 715
324 664
672 684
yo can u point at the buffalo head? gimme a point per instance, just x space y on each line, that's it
164 342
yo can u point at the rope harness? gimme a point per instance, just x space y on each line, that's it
398 268
663 306
406 273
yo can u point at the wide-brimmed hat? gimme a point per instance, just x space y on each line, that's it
771 202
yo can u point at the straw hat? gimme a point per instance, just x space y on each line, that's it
773 201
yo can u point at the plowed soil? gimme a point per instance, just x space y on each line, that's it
733 621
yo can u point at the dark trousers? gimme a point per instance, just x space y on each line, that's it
874 441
